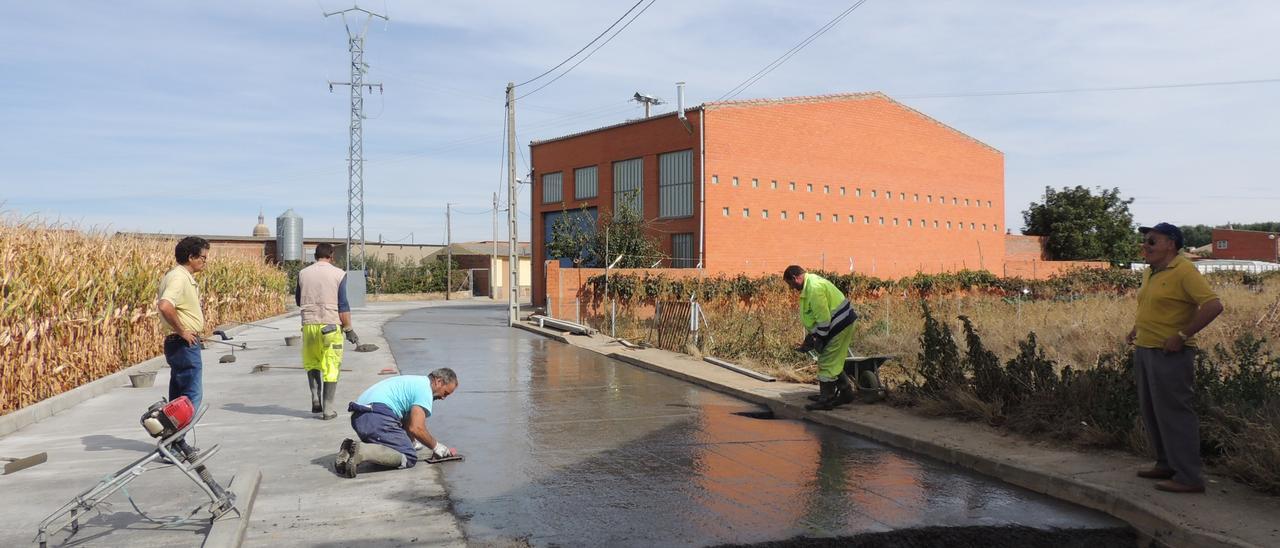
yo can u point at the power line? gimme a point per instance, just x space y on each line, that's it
1091 90
575 54
593 51
750 81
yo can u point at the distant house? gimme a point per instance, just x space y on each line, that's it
1246 245
479 259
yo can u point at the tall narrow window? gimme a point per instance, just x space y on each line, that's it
552 187
682 253
628 185
675 184
585 183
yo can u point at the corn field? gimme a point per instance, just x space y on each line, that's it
76 306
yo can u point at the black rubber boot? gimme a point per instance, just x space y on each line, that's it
845 391
352 453
821 395
314 379
827 393
329 412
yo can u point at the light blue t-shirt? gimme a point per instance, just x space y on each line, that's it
400 394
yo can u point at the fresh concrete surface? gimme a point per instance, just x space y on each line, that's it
228 531
1230 514
262 419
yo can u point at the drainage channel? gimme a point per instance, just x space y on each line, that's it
568 448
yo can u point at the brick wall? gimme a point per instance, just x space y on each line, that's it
1024 248
1246 244
645 139
893 170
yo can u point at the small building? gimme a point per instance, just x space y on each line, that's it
481 259
1246 245
848 183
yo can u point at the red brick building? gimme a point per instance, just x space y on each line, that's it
853 182
1246 244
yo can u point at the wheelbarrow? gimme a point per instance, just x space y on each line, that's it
865 372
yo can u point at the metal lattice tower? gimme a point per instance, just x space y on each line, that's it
355 150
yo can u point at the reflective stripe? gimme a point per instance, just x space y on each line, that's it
842 317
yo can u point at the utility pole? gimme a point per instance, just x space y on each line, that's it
493 260
355 149
448 251
513 265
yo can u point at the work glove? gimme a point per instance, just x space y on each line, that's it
441 451
810 343
351 335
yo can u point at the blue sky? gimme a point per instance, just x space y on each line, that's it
188 118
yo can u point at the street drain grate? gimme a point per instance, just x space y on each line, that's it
762 415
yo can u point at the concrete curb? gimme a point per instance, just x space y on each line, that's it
52 405
229 532
1151 523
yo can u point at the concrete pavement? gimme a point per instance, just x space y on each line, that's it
260 418
1230 514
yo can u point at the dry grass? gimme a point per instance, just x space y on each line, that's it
75 306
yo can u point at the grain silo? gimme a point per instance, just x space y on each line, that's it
289 237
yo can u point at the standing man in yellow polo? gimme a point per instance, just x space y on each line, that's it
1174 303
322 294
828 318
178 301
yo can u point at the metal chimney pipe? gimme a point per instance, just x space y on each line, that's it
680 99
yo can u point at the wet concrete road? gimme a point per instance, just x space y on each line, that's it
567 448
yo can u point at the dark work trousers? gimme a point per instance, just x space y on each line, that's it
1166 395
377 423
185 370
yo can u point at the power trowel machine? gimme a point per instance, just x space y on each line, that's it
168 423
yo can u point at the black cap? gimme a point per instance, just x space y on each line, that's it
1168 230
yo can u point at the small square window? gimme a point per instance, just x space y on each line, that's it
808 187
735 181
817 217
915 198
873 194
929 198
764 214
895 221
857 192
800 216
842 191
966 202
746 212
973 226
910 222
1222 244
902 196
783 214
851 219
960 225
935 224
954 201
995 228
826 189
923 223
988 203
725 211
773 185
755 183
866 219
984 227
715 179
888 195
835 217
942 199
948 225
792 184
882 221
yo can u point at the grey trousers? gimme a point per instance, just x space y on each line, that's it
1166 396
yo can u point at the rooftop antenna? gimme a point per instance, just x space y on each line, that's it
647 100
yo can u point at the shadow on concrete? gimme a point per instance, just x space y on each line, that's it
272 409
102 442
945 537
326 461
101 525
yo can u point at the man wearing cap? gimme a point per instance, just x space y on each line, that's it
1174 303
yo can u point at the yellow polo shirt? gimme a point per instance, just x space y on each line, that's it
178 286
1168 300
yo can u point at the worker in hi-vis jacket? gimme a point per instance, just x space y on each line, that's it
828 319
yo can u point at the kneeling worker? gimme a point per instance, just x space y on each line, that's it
828 318
390 416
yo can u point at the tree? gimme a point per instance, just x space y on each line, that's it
623 234
1079 225
1196 235
575 236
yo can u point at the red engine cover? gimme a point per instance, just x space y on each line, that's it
180 412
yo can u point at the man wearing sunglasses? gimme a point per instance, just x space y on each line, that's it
1174 303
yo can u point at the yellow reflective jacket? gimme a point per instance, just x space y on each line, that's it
824 310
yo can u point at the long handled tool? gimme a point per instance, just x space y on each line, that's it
228 358
12 464
169 423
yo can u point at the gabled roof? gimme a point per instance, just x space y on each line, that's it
523 249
